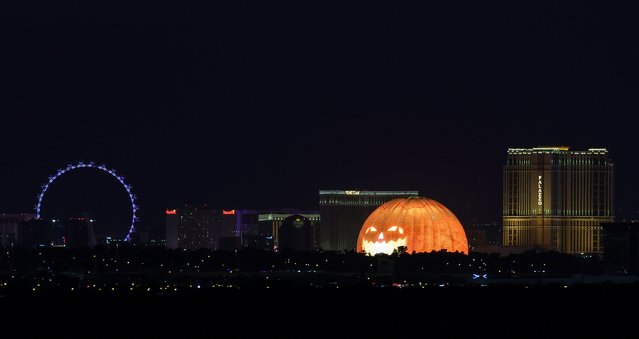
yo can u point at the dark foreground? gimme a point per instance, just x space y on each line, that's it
472 311
128 292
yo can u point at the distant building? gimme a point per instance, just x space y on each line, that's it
484 238
258 241
172 224
78 232
556 199
141 236
195 227
157 233
109 236
57 233
110 241
229 243
203 227
158 242
229 228
230 224
270 223
9 228
476 238
343 213
246 222
621 247
34 233
296 233
252 235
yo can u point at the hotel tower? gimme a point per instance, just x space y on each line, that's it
556 198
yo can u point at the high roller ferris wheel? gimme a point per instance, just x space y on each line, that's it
73 167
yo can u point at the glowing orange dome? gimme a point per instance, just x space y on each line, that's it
420 224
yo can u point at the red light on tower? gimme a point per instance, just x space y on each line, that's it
171 212
231 212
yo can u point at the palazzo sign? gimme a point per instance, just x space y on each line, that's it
539 192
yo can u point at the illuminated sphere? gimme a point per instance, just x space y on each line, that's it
419 224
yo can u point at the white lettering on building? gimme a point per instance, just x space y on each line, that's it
539 192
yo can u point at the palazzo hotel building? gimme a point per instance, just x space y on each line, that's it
556 198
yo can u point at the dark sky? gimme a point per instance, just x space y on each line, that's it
258 105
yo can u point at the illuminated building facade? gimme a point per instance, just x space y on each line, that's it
557 199
344 212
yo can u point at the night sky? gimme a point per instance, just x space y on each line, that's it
261 105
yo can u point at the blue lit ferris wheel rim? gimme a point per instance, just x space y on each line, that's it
72 167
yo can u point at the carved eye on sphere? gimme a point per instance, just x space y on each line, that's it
396 229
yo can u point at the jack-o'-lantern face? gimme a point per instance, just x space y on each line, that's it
383 241
420 225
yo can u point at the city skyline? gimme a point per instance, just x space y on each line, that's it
554 198
289 168
103 182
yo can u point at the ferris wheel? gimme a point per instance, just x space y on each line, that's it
91 165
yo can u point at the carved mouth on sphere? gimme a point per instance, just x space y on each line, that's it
387 247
